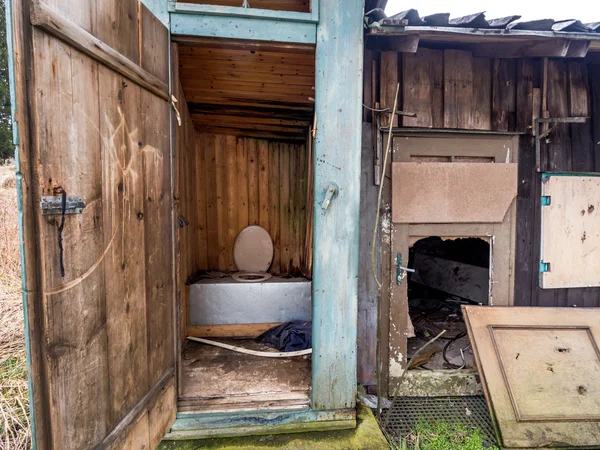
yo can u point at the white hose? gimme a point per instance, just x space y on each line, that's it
252 352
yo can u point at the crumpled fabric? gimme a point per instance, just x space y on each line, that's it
288 337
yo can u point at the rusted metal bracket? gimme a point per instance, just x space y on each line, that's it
52 205
541 135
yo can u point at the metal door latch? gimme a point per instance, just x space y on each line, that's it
400 270
332 190
52 205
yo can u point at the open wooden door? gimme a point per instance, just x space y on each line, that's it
93 112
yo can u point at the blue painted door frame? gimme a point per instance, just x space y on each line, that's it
337 164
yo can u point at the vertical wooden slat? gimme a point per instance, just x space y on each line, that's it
124 236
525 267
422 88
212 223
387 85
503 95
284 211
158 235
253 188
594 80
242 174
458 89
301 188
581 133
74 337
221 166
274 211
232 198
559 148
201 247
482 94
263 184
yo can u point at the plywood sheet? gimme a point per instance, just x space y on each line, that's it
452 192
541 373
571 231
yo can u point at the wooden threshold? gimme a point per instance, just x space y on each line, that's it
243 330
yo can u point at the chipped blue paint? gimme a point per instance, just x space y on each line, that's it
236 11
232 419
20 207
570 174
252 28
337 160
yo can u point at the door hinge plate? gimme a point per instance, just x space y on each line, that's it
52 205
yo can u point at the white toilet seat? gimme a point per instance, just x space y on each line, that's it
251 277
252 255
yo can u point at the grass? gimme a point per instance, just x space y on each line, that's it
14 401
442 436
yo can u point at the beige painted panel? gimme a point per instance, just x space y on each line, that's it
541 373
571 232
452 192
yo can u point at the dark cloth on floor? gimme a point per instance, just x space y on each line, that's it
288 337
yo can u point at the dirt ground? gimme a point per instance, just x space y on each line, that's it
14 403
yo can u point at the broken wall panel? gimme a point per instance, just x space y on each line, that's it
453 193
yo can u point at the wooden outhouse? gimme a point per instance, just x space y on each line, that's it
148 134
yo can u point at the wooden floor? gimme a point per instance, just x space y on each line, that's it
216 379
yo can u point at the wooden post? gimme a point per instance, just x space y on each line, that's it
337 161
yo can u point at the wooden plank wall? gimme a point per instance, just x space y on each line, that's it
105 328
454 89
232 182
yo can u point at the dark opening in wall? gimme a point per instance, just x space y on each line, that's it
447 274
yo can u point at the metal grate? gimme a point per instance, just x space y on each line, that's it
407 412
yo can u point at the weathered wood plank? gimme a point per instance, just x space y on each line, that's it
581 133
253 186
221 191
458 89
158 237
212 223
201 247
263 184
122 61
482 94
339 34
232 199
594 80
242 173
274 205
123 195
387 85
74 311
559 148
503 95
422 88
284 210
153 45
524 89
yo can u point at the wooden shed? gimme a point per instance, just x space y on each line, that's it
491 194
149 134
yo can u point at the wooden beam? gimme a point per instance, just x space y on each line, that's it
245 330
190 42
406 44
252 28
58 26
337 160
240 12
551 48
578 49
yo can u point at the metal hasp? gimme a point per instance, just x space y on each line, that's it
338 143
400 270
539 135
52 205
332 190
